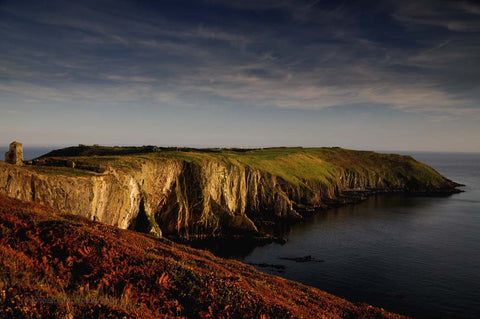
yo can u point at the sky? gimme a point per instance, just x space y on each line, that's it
376 75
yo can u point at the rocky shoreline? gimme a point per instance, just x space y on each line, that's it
267 237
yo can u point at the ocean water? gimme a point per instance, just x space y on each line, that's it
418 256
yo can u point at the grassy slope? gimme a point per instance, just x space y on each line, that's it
116 273
298 166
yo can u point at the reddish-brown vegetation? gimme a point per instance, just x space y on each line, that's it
54 264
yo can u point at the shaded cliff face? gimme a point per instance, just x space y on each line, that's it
203 194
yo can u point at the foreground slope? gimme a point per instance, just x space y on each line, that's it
61 265
192 193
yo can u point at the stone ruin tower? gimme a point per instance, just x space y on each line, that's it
15 154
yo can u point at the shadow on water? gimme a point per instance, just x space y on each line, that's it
228 248
368 209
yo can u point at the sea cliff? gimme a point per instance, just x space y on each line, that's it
192 194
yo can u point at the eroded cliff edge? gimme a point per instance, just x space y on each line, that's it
195 194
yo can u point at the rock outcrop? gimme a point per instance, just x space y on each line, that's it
198 195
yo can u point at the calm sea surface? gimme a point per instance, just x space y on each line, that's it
418 256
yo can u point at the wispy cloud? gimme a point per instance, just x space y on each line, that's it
122 78
314 57
460 16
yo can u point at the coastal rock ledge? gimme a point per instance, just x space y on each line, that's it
195 194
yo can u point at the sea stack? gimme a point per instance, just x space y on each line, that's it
15 154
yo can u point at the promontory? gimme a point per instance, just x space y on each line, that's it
199 193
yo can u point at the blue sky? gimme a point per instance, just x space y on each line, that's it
395 75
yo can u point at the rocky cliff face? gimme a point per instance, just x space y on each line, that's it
206 197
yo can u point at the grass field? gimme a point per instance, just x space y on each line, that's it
296 165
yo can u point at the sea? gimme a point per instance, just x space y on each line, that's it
413 255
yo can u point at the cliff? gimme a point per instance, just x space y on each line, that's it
56 265
207 193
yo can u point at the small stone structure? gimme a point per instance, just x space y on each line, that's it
15 154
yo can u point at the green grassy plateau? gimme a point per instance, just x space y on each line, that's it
296 165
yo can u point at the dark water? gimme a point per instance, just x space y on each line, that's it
418 256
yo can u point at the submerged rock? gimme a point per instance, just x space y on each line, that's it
303 259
